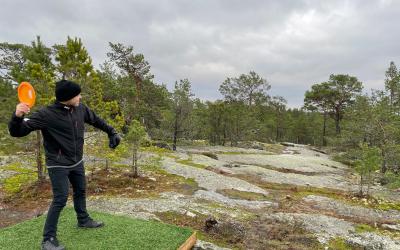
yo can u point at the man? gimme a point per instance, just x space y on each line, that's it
62 126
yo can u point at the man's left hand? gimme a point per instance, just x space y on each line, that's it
114 140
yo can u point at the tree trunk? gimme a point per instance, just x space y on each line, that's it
138 85
237 134
324 130
135 171
250 98
391 98
337 122
383 167
224 139
278 126
39 162
369 182
175 132
278 132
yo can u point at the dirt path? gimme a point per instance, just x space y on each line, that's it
19 208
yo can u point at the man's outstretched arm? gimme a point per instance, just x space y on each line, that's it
20 126
92 119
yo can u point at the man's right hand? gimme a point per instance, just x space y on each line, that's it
22 109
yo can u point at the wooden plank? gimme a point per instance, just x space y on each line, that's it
189 243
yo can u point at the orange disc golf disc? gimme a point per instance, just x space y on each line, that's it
26 94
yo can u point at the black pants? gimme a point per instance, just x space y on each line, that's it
59 178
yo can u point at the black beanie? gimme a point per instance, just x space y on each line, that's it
66 90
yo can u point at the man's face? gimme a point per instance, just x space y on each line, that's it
75 101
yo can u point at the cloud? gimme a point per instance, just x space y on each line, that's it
293 44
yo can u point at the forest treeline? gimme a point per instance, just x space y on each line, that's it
336 113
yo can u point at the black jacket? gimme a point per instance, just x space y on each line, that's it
62 128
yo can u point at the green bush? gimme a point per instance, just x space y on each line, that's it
391 180
348 158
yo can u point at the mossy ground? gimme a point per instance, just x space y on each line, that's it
22 177
243 195
340 244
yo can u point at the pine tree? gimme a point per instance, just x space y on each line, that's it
392 84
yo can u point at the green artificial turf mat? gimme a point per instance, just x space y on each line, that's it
119 232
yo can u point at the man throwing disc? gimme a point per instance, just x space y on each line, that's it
62 127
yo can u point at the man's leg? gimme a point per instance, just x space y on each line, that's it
77 178
59 183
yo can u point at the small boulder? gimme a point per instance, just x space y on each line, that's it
391 227
190 214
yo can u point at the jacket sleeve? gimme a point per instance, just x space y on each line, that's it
20 126
92 119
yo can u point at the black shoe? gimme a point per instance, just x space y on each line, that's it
91 224
52 244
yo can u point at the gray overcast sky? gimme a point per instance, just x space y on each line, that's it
293 44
